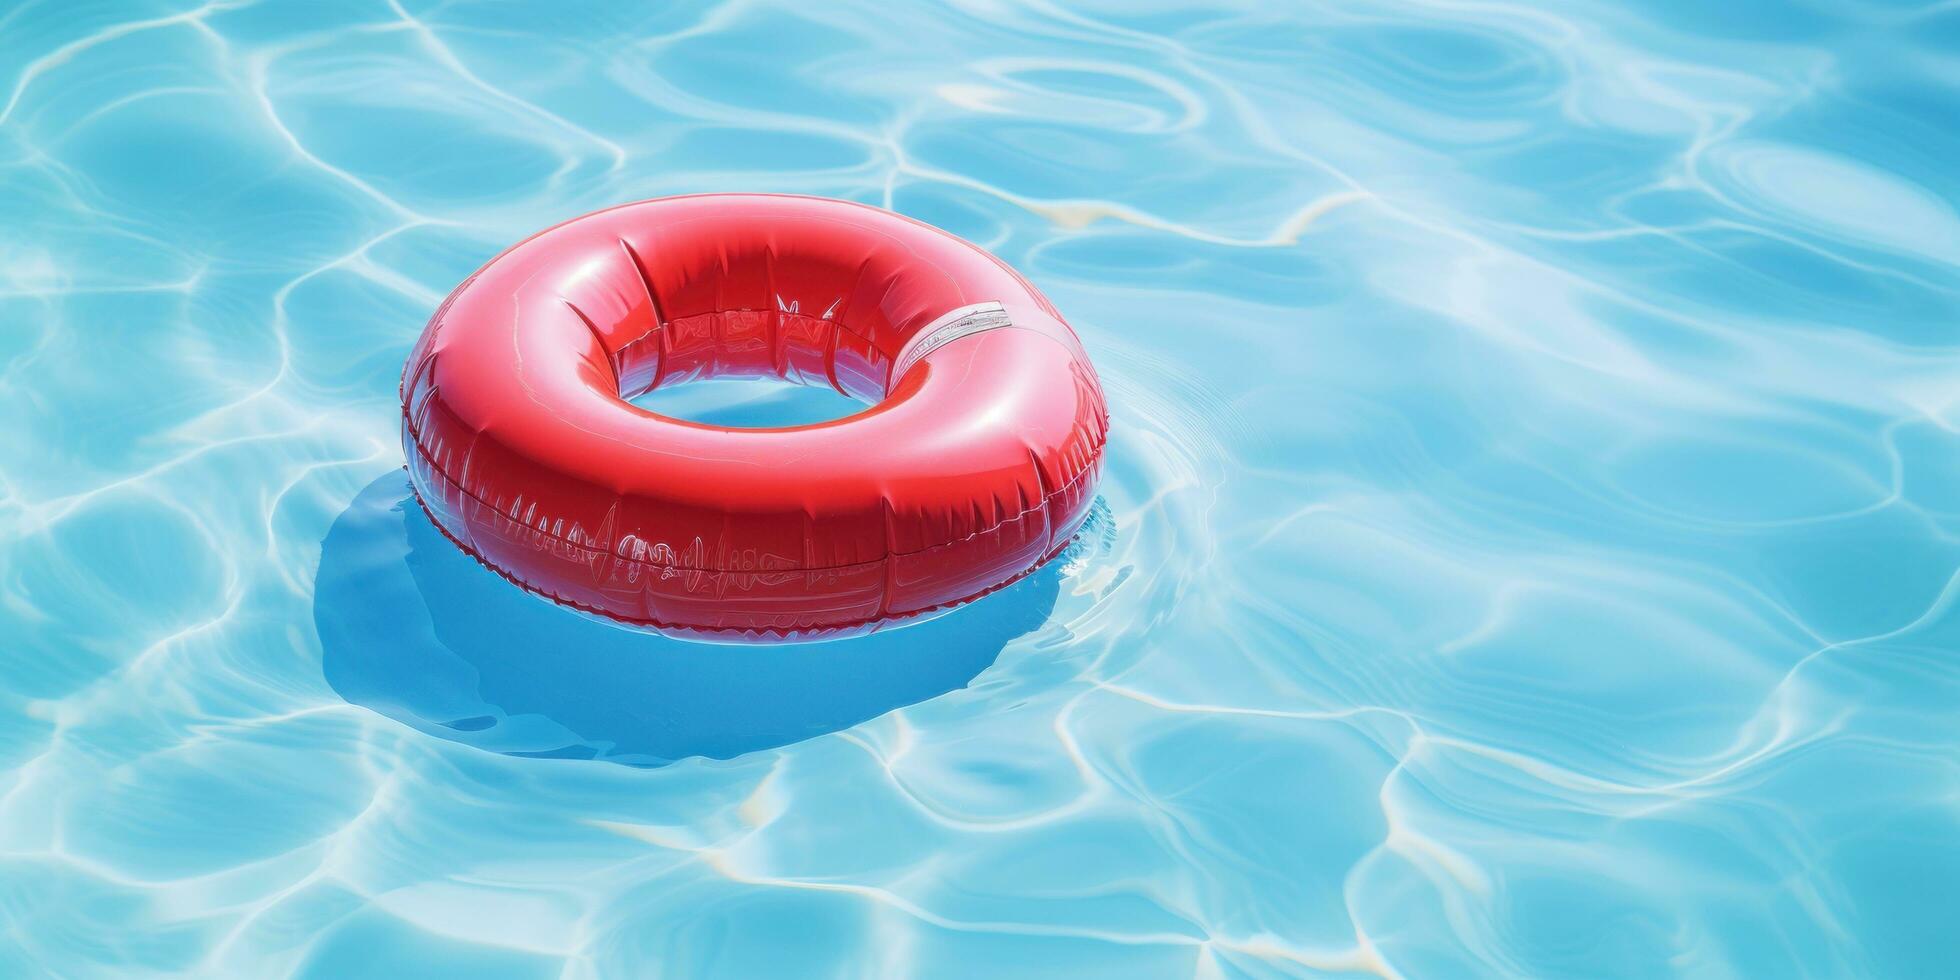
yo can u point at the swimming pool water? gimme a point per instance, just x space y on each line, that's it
1528 544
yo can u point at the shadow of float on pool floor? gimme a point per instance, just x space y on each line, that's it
416 630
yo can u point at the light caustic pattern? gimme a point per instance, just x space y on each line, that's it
1533 503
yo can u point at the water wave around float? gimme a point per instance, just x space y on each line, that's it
1530 534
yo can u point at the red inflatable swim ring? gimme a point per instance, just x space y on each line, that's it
975 462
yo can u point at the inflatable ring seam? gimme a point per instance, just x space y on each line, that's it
1095 454
751 631
653 334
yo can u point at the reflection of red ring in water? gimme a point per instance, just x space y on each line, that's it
975 463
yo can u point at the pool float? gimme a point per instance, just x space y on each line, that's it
975 461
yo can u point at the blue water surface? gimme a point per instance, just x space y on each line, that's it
1528 542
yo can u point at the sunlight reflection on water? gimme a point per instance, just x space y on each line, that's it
1531 532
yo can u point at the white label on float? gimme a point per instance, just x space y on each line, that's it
963 322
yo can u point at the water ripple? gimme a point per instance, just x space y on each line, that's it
1530 544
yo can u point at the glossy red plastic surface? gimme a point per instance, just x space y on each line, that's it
969 469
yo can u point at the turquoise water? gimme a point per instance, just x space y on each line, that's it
1528 545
